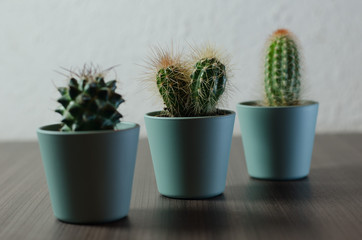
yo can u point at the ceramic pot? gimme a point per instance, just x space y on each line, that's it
278 141
190 154
89 173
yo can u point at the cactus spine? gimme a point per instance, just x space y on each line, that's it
88 102
208 81
282 70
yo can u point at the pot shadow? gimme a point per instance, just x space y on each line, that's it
324 184
217 223
218 217
338 184
172 213
270 191
187 217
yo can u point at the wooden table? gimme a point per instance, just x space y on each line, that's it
326 205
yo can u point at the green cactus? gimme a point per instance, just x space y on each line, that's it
172 84
88 102
189 90
282 70
208 81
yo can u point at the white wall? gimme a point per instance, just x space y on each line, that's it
39 36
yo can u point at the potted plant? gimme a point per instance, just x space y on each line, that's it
278 133
89 157
190 139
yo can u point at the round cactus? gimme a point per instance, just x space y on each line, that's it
282 70
89 103
208 81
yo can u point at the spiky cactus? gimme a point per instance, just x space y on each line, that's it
208 81
88 102
189 90
282 70
172 84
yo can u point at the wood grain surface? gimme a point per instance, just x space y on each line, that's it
326 205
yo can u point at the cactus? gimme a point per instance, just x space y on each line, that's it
187 89
172 78
282 70
208 81
173 87
88 102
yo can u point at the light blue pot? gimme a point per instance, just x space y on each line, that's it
278 141
190 154
90 173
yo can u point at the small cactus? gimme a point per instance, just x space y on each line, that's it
189 89
173 87
88 102
282 70
208 81
172 79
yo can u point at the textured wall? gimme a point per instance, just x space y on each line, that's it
39 36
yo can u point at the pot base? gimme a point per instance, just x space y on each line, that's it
186 197
280 178
92 222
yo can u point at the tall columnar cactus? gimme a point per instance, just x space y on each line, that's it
208 81
282 70
88 102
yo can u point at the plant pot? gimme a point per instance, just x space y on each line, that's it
190 154
89 173
278 141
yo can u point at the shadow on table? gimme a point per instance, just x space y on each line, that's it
323 184
260 190
254 206
216 216
218 222
179 215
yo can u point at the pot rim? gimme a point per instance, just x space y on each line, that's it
254 104
151 115
49 129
